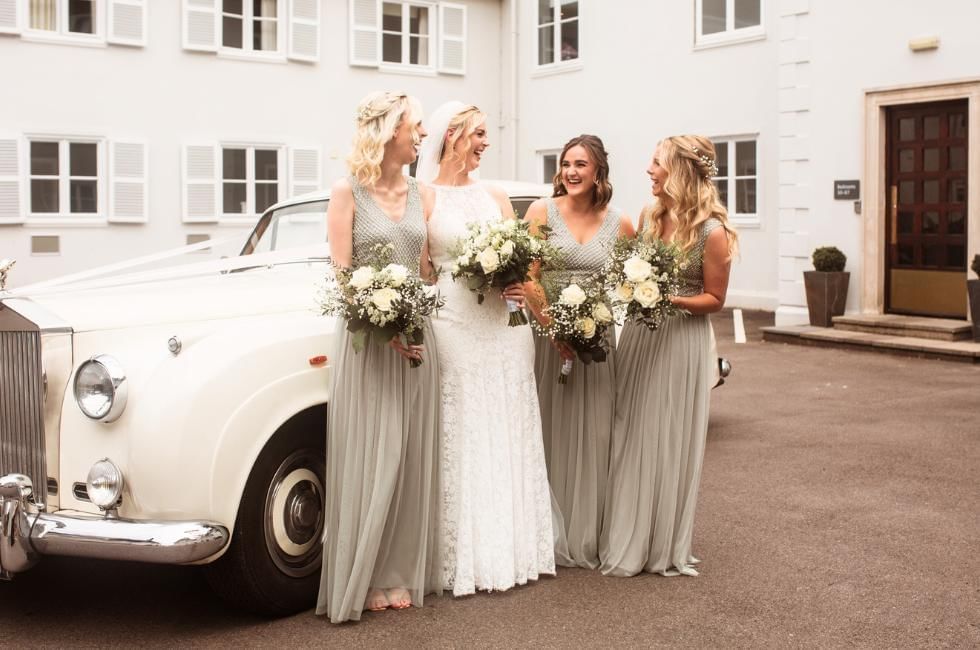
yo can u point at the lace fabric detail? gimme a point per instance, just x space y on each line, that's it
579 261
372 226
496 520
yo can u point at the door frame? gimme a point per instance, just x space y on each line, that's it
876 103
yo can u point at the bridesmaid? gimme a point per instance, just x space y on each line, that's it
380 550
577 417
664 377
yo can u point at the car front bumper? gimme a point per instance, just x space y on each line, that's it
25 536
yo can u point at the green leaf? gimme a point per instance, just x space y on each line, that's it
359 340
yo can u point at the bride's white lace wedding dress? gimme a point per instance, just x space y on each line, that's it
496 517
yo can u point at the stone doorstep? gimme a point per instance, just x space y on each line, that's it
916 346
940 329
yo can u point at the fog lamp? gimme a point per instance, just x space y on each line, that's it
105 484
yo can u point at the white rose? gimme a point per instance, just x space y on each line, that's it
647 294
624 292
636 269
489 260
572 295
456 268
586 326
397 273
362 277
383 298
482 240
601 313
507 248
463 260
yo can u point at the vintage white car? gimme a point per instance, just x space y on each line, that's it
178 415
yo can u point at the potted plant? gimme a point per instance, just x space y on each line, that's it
973 289
826 287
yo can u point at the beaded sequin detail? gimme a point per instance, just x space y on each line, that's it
372 226
579 261
692 278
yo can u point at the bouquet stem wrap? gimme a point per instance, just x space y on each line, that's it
566 370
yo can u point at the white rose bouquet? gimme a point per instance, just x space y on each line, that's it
380 301
498 254
640 276
579 317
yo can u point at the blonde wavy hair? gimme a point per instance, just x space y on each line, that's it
378 117
690 162
463 124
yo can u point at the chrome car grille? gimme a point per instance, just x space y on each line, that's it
21 407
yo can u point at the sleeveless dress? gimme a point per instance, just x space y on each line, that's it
496 508
577 417
663 384
382 446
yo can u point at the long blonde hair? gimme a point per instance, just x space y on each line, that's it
378 117
690 162
462 125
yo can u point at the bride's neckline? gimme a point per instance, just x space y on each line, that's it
455 187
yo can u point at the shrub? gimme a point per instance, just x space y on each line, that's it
829 259
976 265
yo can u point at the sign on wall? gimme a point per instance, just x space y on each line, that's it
847 190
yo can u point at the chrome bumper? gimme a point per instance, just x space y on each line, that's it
25 536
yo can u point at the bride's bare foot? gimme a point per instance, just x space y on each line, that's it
376 600
399 598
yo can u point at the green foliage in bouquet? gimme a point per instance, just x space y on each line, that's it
829 259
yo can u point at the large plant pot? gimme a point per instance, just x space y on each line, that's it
826 295
973 289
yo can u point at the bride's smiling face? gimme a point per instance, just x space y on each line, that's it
578 172
477 142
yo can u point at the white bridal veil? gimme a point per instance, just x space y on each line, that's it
436 125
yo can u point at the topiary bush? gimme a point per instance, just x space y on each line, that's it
829 259
976 265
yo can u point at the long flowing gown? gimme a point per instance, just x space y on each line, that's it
496 510
577 417
383 492
663 385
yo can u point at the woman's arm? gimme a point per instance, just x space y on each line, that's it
716 267
340 223
537 217
426 268
503 201
626 226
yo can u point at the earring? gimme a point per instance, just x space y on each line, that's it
596 181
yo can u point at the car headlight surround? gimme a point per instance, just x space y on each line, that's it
101 389
105 484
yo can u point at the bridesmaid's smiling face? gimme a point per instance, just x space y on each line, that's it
657 174
578 172
404 146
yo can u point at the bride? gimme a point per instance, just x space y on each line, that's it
496 508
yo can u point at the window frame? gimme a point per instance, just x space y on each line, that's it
247 51
61 34
406 38
63 217
741 219
250 215
557 65
541 154
730 35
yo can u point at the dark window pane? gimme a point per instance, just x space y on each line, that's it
418 50
957 190
721 151
233 198
418 20
906 222
930 160
82 159
569 9
266 164
265 195
569 40
264 36
906 254
955 225
44 195
234 163
81 16
930 222
391 48
44 158
930 127
906 192
930 191
546 45
906 160
550 166
232 7
546 11
956 256
722 185
745 196
391 17
747 13
906 128
264 8
957 125
957 159
930 255
713 16
83 196
231 32
745 158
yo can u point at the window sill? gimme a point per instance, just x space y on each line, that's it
64 221
726 39
253 57
550 69
409 69
748 221
93 40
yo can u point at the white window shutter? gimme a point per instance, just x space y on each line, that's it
200 183
304 30
127 22
452 38
304 170
9 16
201 26
365 32
10 188
128 195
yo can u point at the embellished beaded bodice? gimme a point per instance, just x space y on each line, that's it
692 277
372 226
579 261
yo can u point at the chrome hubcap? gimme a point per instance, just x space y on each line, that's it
294 513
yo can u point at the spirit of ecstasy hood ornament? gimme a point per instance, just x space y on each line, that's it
5 265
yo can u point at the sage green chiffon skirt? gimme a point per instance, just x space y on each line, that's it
663 384
383 493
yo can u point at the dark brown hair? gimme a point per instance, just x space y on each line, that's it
603 192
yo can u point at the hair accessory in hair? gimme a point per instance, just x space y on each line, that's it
708 161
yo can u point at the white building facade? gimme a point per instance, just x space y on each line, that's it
198 115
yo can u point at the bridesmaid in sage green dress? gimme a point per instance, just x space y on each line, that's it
577 417
383 494
664 376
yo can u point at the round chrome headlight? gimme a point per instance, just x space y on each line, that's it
105 484
100 388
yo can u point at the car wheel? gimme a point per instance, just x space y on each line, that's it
272 566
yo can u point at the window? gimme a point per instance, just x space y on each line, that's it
267 30
549 164
557 31
738 178
250 25
406 34
64 177
64 17
249 180
726 21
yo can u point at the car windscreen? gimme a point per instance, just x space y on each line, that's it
289 227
